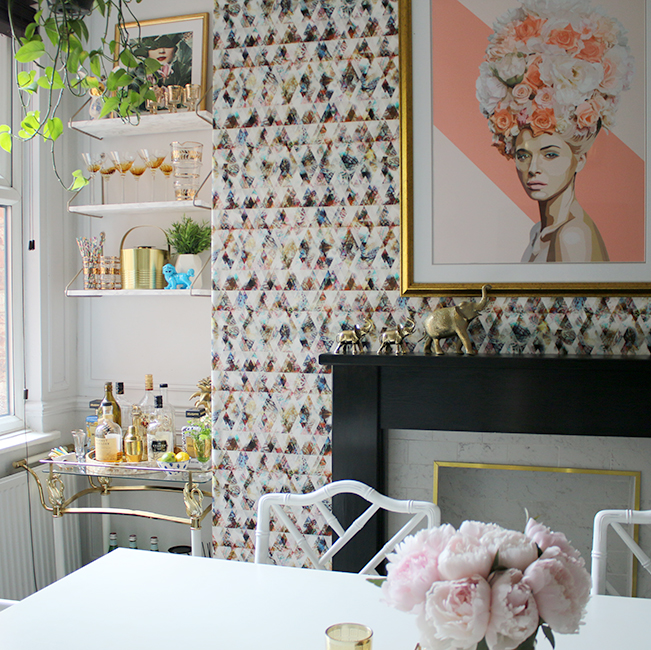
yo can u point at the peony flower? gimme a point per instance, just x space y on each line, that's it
511 68
514 613
456 614
561 586
514 549
413 567
618 70
545 538
572 79
490 90
465 555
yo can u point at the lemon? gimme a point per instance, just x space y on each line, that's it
182 457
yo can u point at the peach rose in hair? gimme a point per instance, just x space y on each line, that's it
543 120
566 38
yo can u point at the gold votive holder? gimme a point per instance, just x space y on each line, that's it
109 268
192 95
175 96
349 636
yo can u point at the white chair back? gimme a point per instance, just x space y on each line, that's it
419 509
5 603
615 518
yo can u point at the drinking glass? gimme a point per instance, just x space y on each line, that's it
174 98
80 437
167 169
192 95
349 636
93 162
153 159
106 170
137 170
123 160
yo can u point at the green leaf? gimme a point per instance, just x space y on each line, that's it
30 52
29 31
127 59
118 79
151 65
79 180
27 80
101 5
52 31
376 581
52 79
110 105
5 139
547 631
96 65
53 128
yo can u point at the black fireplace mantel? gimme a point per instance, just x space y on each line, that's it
542 394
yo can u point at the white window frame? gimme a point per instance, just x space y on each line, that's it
10 197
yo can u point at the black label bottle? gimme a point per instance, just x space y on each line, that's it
160 437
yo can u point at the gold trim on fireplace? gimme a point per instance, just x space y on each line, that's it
635 475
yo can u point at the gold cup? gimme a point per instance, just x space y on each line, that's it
174 98
192 95
349 636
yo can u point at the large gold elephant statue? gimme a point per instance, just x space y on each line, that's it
445 322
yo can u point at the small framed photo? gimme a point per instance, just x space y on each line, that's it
179 43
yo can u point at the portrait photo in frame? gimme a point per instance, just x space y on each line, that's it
473 208
181 45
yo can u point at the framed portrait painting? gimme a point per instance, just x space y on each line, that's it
179 43
524 146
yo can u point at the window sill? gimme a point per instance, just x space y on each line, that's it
20 439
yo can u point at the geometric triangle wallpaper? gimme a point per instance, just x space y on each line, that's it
306 241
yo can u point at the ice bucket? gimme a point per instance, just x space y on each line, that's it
142 267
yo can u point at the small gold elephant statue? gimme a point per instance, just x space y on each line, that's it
396 337
446 322
354 338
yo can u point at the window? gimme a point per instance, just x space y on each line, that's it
11 362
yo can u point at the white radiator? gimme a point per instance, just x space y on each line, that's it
27 552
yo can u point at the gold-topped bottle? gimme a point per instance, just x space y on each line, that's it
137 420
133 445
110 399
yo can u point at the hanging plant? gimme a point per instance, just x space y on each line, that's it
56 43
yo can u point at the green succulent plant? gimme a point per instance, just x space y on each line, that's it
56 43
187 237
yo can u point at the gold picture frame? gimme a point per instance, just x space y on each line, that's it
512 513
192 31
422 272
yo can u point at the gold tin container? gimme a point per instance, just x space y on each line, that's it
142 267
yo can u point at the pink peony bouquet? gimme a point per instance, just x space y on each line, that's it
483 586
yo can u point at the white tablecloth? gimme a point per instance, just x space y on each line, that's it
142 600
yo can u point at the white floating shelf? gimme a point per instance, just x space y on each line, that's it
159 123
120 293
152 207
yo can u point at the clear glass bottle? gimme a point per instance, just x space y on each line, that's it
108 437
169 409
113 542
125 405
153 543
110 398
133 541
160 437
147 404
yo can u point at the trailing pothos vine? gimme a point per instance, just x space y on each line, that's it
55 57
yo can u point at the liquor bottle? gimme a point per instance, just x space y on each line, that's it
113 542
125 405
141 429
168 409
110 399
133 444
160 437
133 541
108 437
153 543
147 404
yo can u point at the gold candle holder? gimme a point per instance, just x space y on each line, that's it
349 636
192 95
174 98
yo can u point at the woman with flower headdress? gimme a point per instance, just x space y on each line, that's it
552 77
174 53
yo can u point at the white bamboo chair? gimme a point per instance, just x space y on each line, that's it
615 518
6 603
419 509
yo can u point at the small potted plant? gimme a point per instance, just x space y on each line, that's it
189 238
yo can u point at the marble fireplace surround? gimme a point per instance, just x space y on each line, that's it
535 394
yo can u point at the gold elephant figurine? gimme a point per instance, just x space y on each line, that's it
396 337
445 322
354 338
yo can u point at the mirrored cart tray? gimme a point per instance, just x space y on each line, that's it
67 464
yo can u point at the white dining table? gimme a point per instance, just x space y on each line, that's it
142 600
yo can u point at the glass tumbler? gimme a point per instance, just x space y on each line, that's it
349 636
